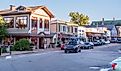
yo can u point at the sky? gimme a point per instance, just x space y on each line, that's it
95 9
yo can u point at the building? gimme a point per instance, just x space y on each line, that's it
32 23
94 33
63 30
82 33
112 25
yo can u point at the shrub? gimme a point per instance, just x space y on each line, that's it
22 45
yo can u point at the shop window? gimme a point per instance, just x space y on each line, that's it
21 22
9 21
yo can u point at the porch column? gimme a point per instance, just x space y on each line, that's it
38 42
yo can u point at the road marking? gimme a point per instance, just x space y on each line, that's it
95 68
105 69
8 57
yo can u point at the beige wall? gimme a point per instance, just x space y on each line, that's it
40 13
53 28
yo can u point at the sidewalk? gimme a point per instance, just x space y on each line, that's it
29 52
107 45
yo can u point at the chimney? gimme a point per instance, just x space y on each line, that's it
12 7
103 21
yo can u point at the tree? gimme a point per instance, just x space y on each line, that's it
3 29
22 45
79 19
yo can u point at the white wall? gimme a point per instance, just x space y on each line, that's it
40 13
82 31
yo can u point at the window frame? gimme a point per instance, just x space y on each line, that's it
46 24
7 23
35 26
40 23
21 19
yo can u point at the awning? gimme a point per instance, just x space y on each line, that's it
30 35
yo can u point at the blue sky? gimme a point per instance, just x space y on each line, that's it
95 9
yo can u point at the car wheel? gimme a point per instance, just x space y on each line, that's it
76 50
92 47
79 50
66 51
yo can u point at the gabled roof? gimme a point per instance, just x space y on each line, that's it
33 8
26 9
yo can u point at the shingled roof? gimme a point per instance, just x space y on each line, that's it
26 10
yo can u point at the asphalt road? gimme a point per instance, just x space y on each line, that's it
87 60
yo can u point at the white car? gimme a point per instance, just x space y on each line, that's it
116 64
107 42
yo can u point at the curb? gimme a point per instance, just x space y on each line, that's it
31 52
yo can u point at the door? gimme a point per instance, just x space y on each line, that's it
41 43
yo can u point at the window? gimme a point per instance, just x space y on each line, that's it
61 28
68 29
75 29
64 28
34 23
21 22
46 24
40 25
9 21
72 29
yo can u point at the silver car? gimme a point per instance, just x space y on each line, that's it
116 64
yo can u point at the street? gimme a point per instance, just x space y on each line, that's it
87 60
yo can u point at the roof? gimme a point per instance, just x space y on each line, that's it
109 27
27 10
71 24
107 22
58 21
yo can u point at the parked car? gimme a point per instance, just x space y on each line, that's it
107 42
87 45
116 64
96 43
72 46
91 43
113 40
118 41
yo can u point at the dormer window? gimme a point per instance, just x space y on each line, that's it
21 8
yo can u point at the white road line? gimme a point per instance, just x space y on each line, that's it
105 69
95 68
8 57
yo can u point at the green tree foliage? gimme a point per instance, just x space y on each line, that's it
79 19
2 22
3 29
22 45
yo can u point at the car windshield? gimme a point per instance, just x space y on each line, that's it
87 43
72 43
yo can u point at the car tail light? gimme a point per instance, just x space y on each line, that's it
114 65
62 46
